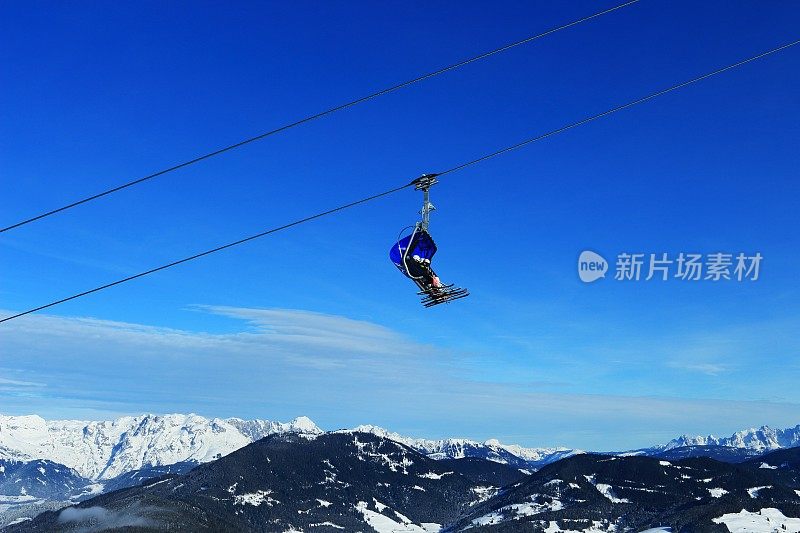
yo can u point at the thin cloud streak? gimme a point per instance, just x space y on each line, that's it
339 371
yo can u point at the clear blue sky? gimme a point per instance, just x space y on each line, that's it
93 95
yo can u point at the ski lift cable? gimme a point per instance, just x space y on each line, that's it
209 252
618 108
413 183
321 114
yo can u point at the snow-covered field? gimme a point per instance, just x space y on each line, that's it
519 510
383 524
596 527
766 520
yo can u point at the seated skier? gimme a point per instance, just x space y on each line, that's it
420 269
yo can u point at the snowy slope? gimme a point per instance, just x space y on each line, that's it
102 450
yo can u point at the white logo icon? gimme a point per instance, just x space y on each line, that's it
591 266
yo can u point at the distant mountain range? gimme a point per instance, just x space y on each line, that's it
52 464
105 450
493 450
763 439
355 481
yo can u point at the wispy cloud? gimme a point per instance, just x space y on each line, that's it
342 372
16 383
290 328
710 369
96 518
5 382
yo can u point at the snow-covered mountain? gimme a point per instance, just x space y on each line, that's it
341 481
103 450
258 429
107 449
60 462
492 449
600 494
22 481
30 487
351 481
763 439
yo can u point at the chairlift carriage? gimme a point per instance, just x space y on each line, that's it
412 254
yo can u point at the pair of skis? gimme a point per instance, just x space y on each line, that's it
441 295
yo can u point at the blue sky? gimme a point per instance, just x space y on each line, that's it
315 321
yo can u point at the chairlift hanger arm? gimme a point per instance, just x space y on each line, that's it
424 183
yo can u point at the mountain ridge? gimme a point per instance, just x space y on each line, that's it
105 449
760 439
457 448
102 450
290 482
356 481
